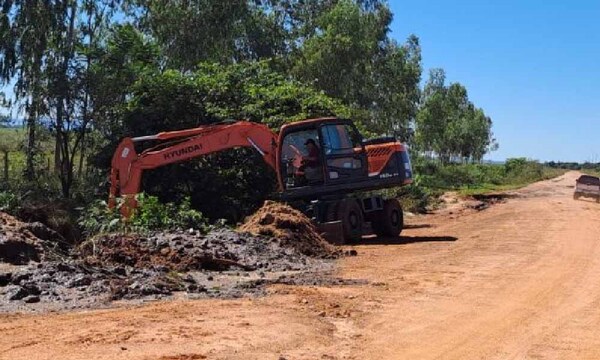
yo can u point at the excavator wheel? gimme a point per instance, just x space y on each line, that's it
351 216
390 221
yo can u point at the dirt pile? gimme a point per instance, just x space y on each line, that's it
276 245
223 263
291 228
22 242
220 250
73 284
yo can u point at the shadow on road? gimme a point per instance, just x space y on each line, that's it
587 199
417 226
402 240
495 197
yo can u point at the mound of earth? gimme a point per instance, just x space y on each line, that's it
182 251
291 228
22 242
74 284
277 245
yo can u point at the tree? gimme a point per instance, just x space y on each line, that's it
190 32
48 49
431 119
300 17
346 52
338 57
124 57
24 29
395 91
68 64
62 90
450 125
263 34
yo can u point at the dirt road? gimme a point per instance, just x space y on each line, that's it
519 280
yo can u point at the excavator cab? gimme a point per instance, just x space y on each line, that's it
346 162
345 158
342 157
298 161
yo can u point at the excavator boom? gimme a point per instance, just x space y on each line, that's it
128 166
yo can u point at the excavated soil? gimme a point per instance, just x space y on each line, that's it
292 228
278 245
23 242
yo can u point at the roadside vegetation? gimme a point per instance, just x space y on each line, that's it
108 69
590 168
434 178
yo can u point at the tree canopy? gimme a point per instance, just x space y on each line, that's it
88 72
448 123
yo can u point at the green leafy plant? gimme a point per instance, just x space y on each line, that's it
9 202
149 215
98 218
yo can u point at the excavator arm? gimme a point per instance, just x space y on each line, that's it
128 166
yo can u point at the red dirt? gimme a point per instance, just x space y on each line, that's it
291 227
518 280
17 244
120 249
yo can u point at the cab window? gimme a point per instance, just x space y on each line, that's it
339 139
293 143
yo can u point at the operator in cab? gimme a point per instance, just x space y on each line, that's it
311 163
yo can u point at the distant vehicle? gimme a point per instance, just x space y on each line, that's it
587 186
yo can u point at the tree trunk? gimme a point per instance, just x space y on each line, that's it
83 129
66 179
57 145
6 168
63 114
30 151
60 156
81 154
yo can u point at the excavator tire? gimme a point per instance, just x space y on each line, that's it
390 221
351 216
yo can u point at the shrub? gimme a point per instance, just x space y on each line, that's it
432 178
415 198
522 171
9 202
149 215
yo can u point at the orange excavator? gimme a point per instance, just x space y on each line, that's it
320 163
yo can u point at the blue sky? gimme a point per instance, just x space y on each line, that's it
533 66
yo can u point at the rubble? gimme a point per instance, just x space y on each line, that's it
220 250
277 245
22 242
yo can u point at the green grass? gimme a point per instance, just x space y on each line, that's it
12 130
487 188
433 179
13 139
